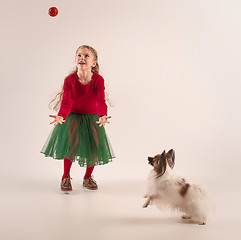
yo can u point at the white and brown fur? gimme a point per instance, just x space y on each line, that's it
167 190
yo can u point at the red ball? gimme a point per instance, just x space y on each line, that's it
53 11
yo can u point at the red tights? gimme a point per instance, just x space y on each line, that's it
67 166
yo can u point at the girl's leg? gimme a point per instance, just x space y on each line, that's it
67 166
88 172
66 182
89 182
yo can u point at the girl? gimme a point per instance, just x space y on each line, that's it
79 133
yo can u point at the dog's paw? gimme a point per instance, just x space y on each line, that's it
145 205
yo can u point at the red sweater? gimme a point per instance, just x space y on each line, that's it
84 99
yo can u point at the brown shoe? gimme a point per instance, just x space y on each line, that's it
66 184
90 183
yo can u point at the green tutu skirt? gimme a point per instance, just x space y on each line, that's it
79 139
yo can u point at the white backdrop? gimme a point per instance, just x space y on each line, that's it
172 69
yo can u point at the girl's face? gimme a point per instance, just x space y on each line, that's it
85 59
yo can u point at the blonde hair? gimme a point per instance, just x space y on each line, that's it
56 101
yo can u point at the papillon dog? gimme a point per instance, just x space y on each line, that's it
167 190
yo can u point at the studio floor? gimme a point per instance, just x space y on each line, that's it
37 209
172 72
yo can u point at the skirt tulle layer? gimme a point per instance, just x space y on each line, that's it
79 139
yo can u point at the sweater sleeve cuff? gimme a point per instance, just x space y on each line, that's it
62 115
101 115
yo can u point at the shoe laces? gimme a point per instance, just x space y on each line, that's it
91 179
67 180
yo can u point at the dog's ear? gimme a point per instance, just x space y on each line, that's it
163 155
161 164
171 158
150 160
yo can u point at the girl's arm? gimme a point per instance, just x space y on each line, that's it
101 97
66 103
103 118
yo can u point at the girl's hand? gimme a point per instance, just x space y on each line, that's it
57 119
103 120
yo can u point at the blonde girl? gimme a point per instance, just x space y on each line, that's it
79 133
